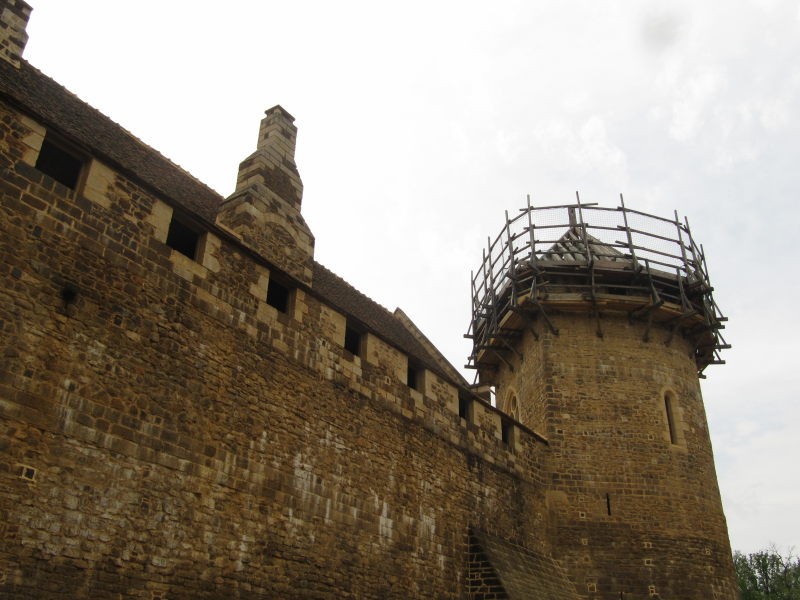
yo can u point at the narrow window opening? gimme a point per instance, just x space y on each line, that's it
669 410
412 378
352 341
463 408
507 430
58 163
278 295
69 293
608 504
183 238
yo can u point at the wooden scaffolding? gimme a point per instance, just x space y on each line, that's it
587 257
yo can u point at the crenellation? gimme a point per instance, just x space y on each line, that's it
169 433
382 355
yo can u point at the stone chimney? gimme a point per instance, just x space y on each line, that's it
264 211
14 15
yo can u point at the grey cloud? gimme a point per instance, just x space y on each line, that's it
660 30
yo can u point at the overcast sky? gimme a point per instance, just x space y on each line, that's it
421 122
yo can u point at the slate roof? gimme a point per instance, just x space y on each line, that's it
54 106
375 317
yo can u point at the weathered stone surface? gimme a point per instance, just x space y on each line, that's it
264 211
166 431
13 37
523 573
630 508
189 439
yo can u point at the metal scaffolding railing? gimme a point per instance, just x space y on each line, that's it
590 250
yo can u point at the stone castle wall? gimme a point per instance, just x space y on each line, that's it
168 434
192 407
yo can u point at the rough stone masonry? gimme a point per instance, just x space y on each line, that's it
192 407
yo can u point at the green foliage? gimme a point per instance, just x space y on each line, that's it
767 575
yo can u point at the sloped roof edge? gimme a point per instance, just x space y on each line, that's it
55 106
34 93
375 317
440 359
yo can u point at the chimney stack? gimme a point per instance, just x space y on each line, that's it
264 211
14 15
272 164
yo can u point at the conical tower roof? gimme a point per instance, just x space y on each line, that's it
572 247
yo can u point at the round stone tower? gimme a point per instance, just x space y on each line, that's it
594 325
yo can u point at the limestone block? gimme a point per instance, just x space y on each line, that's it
299 306
186 267
160 218
259 288
208 251
416 396
332 325
266 313
32 140
99 178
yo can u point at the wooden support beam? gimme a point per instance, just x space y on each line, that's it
503 358
541 311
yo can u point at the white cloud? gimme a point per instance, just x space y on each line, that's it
597 150
691 102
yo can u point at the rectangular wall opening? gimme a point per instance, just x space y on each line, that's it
59 163
278 295
183 237
507 431
464 406
412 377
352 340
